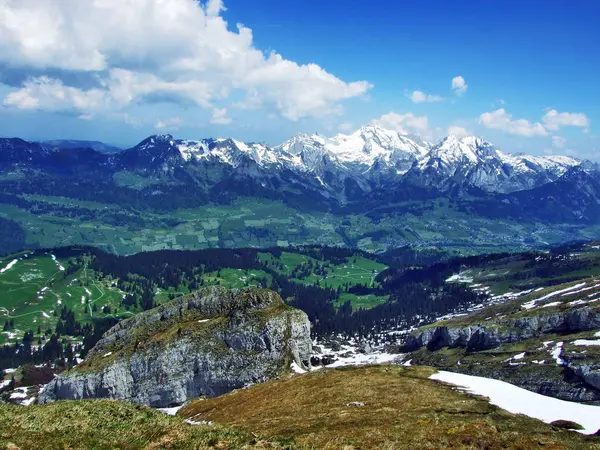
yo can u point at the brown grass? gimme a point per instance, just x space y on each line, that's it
403 409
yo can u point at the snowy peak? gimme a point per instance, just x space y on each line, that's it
466 150
372 156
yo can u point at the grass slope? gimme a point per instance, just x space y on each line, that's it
402 409
105 424
33 288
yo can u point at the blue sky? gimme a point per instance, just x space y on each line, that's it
529 70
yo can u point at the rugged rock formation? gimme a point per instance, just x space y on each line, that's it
576 377
484 336
204 344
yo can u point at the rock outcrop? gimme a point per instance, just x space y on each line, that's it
204 344
484 336
573 375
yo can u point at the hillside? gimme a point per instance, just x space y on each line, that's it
402 408
540 331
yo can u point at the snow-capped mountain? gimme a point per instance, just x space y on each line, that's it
358 152
474 162
343 167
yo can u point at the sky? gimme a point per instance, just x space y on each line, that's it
523 75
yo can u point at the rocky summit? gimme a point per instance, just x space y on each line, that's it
207 343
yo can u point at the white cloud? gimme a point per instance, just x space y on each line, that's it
558 141
403 123
501 120
459 85
219 117
458 131
153 50
172 123
421 97
553 120
52 95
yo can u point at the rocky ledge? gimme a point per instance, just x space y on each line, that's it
204 344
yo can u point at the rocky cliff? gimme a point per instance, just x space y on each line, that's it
491 334
203 344
544 345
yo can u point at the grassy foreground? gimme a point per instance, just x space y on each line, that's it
106 424
402 409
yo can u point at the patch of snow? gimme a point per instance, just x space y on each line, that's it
170 411
519 356
532 304
585 342
9 266
203 320
577 303
18 394
28 401
550 305
107 354
202 422
521 401
296 368
535 361
407 363
556 352
459 278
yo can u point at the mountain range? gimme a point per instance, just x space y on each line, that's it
371 157
373 172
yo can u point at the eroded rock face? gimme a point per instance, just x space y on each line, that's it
576 378
479 336
204 344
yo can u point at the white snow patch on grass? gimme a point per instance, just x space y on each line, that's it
107 354
296 368
521 401
556 352
532 304
45 315
9 266
170 411
585 342
550 305
28 401
519 356
203 320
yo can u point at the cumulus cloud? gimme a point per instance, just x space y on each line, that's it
153 50
219 117
403 123
501 120
459 85
421 97
172 123
458 131
553 120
